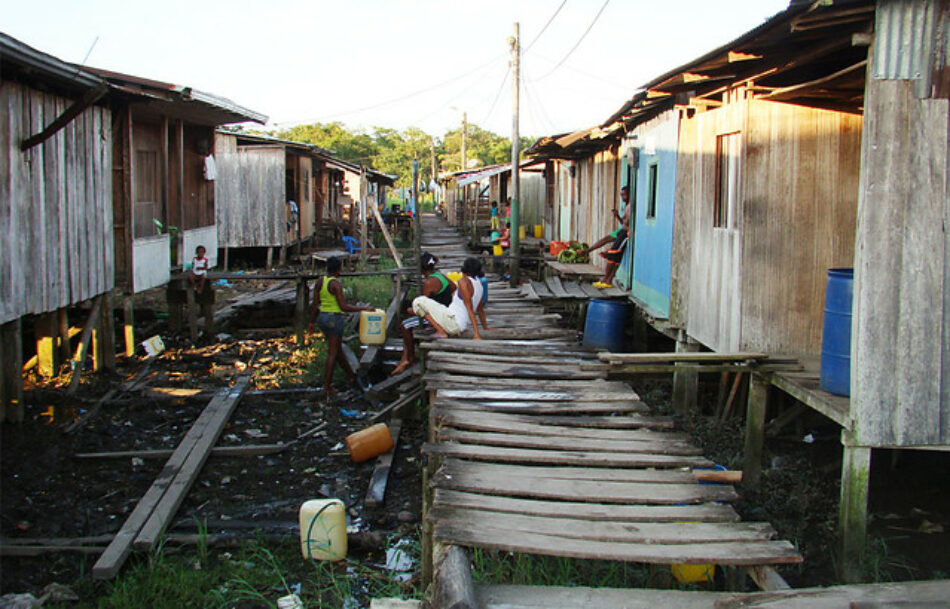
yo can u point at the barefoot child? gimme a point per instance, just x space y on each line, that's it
199 269
329 306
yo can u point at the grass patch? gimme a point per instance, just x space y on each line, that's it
255 575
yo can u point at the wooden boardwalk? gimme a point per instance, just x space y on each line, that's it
533 450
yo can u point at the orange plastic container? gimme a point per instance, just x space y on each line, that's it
557 247
370 442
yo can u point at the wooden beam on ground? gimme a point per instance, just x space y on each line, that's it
394 407
248 450
377 483
379 389
83 348
205 432
112 393
767 578
454 588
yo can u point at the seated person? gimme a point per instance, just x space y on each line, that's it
350 243
505 240
613 256
459 318
436 286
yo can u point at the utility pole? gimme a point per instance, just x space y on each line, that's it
417 221
433 176
514 268
464 135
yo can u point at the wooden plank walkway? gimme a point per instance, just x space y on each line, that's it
536 452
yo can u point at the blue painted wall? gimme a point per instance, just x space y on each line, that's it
653 237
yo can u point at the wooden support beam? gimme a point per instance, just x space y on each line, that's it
404 400
192 313
107 332
767 578
377 483
91 412
63 338
853 508
389 240
171 484
300 312
454 588
390 383
44 328
88 98
129 325
755 428
83 347
11 377
685 380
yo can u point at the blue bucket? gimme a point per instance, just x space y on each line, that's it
605 323
484 282
836 336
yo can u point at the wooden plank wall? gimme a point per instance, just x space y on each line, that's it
55 205
251 210
306 203
714 299
799 207
900 386
684 210
598 191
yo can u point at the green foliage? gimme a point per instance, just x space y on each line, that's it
392 151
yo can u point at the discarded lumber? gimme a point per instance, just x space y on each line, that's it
249 450
83 348
205 430
377 483
454 588
381 388
404 400
112 393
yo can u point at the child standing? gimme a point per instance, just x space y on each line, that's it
494 215
199 269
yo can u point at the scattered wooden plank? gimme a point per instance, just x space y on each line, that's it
394 407
453 580
529 293
573 289
118 550
767 578
683 356
581 511
647 532
515 370
127 386
377 483
541 290
543 408
633 421
444 380
724 553
478 358
503 454
513 440
546 597
248 450
590 290
380 389
82 349
479 421
529 395
554 285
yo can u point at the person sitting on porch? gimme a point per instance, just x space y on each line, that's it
439 288
459 318
618 240
350 243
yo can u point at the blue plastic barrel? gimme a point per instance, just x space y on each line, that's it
836 337
605 322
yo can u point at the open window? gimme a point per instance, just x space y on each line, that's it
652 176
727 179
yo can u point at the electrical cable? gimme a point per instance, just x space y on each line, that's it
578 43
528 48
395 99
501 88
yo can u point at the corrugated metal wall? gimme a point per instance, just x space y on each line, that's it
55 205
912 42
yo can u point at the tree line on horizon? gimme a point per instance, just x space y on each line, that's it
392 151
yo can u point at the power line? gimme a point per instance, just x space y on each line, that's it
578 43
396 99
528 48
501 88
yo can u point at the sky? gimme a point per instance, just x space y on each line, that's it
393 63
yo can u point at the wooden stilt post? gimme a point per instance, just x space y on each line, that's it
95 343
63 339
454 588
853 509
282 256
428 495
82 349
755 428
300 313
192 313
11 379
226 259
685 378
45 331
270 258
129 325
108 332
207 310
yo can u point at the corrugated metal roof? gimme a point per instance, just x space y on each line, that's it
45 65
490 171
910 42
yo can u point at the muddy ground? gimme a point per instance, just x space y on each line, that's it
47 492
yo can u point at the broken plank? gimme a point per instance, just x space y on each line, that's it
249 450
478 421
541 290
118 550
554 285
647 532
543 408
513 440
719 553
405 400
378 390
515 370
529 395
706 512
377 483
503 454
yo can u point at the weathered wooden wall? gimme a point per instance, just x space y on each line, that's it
900 384
714 298
250 191
799 206
55 205
593 192
306 203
